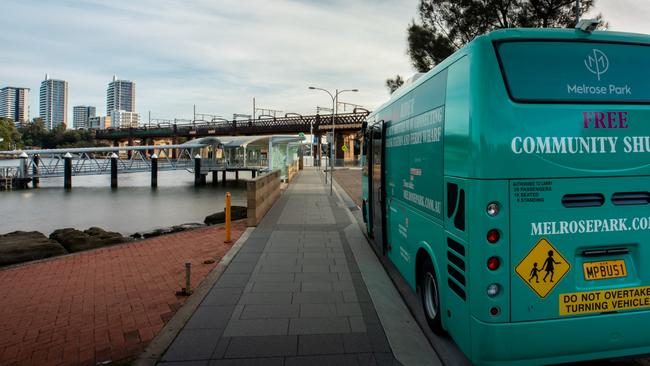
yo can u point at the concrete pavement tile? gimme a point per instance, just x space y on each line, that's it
194 344
320 344
321 297
270 311
319 325
323 360
266 298
256 327
248 362
210 317
356 343
267 346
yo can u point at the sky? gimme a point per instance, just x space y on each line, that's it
219 54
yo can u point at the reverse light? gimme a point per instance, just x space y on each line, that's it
493 289
492 209
493 236
493 263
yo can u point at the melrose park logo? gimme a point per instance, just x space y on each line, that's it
597 62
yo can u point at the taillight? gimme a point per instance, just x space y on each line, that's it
493 263
494 311
493 236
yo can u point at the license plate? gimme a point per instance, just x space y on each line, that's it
604 269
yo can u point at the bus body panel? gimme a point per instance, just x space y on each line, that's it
580 234
559 341
490 144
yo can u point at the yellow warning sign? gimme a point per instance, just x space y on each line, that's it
605 300
542 268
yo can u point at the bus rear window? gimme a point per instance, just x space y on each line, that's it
575 72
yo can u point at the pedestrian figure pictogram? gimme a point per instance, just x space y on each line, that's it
533 273
552 269
549 265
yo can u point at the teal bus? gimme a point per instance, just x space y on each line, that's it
510 188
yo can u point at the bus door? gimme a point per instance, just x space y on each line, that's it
377 193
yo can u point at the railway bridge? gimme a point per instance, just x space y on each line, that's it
173 132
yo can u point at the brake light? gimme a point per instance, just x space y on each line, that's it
493 263
493 236
494 311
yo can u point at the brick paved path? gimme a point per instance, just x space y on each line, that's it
101 305
293 295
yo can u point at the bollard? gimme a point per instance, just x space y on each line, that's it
154 171
113 170
227 212
197 170
67 171
188 274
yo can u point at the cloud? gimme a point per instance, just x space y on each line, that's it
216 54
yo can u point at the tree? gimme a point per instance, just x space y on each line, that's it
33 133
447 25
9 134
394 84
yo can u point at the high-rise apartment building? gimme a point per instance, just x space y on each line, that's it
120 96
14 104
54 102
124 119
81 115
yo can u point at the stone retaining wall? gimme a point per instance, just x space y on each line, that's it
262 192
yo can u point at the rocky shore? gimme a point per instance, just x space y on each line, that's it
21 246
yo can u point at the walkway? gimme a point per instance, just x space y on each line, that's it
294 295
101 305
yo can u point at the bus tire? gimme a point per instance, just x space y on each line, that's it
430 297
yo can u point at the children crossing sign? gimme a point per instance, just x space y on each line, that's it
542 268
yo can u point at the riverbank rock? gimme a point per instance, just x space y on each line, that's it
21 246
75 241
236 213
171 230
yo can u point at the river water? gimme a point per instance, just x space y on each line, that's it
133 207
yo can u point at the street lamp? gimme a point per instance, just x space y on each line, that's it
335 99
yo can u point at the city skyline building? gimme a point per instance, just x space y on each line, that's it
14 104
81 116
53 108
124 119
99 122
120 96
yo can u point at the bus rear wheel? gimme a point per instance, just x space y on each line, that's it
430 297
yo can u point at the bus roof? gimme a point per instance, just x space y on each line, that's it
521 34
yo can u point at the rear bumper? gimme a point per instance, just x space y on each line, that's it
561 340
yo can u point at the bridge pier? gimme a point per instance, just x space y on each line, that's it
197 170
67 171
113 170
35 179
154 171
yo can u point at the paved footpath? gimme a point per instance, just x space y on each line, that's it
293 295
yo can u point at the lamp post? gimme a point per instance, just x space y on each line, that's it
335 99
